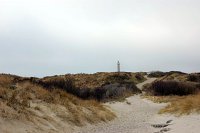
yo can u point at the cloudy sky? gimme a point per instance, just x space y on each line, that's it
47 37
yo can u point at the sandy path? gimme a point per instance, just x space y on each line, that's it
131 118
137 115
149 80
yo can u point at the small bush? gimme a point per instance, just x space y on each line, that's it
139 77
84 93
156 74
172 88
198 86
194 77
115 91
99 93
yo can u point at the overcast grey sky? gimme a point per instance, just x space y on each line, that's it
47 37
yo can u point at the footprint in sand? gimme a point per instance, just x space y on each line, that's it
163 130
163 126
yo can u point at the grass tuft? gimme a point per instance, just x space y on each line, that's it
183 105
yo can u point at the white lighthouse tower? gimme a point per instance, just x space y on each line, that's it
118 67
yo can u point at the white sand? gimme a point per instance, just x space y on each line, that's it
183 124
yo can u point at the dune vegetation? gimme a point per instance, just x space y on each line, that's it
165 88
98 86
181 91
183 105
70 98
23 100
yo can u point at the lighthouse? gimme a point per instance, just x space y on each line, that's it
118 67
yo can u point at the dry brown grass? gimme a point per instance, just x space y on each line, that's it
81 110
16 104
175 76
183 105
99 86
3 92
6 80
178 105
98 79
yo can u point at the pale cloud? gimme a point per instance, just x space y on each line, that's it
44 37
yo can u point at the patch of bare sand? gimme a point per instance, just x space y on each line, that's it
173 124
42 118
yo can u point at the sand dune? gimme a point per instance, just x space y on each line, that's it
134 115
137 115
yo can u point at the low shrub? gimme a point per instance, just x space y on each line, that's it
99 93
175 72
157 74
198 86
194 77
115 91
65 83
139 77
115 87
164 88
117 78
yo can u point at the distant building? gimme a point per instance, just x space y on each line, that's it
118 67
